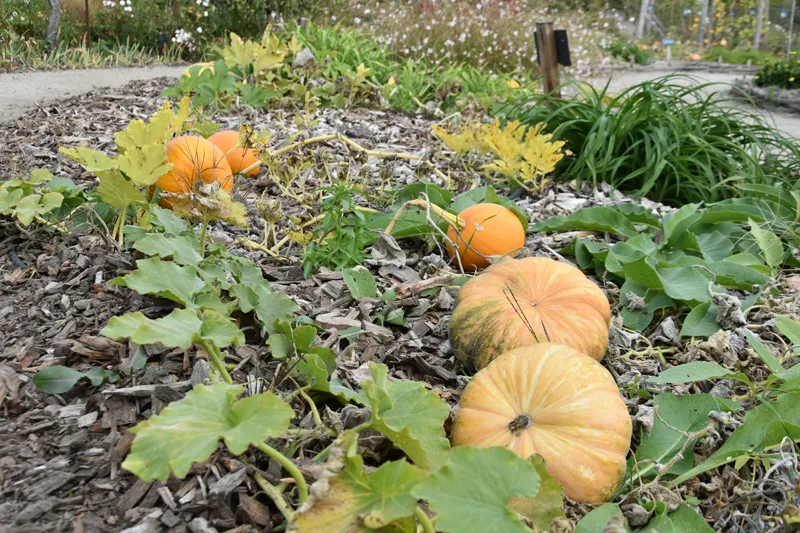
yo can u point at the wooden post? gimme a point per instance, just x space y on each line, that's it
791 29
759 24
642 19
548 60
88 24
701 30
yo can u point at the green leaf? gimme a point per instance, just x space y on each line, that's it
702 319
118 192
789 328
682 520
165 278
188 431
98 375
676 224
361 282
179 329
409 415
304 337
697 371
272 306
546 506
56 379
185 250
355 502
639 319
772 362
436 194
715 246
676 416
769 244
317 369
91 160
171 223
472 492
685 283
605 219
220 330
737 276
597 520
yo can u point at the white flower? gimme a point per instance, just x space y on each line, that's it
199 30
357 20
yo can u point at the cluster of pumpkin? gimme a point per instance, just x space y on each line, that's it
212 160
550 398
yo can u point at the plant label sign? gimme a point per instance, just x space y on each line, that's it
668 41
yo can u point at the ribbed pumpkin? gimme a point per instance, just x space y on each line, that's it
193 158
491 231
558 302
238 158
551 400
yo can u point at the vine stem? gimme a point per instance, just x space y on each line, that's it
354 145
424 520
450 218
289 466
203 236
275 495
216 359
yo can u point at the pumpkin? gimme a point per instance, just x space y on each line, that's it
558 302
238 158
193 158
551 400
491 230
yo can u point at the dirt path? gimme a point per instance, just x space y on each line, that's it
21 91
787 122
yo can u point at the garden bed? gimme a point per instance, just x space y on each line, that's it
781 98
61 453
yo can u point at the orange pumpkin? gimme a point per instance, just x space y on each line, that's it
238 158
558 302
193 158
491 231
550 400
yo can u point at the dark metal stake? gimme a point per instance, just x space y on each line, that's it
88 25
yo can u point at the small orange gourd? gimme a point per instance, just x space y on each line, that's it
557 301
491 230
550 400
238 158
194 158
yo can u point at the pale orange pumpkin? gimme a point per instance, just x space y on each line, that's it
557 301
238 158
194 158
491 231
550 400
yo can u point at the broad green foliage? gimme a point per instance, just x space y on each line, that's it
546 506
606 516
677 416
669 139
678 260
181 328
60 379
355 501
409 415
41 197
782 73
352 67
473 491
188 431
681 520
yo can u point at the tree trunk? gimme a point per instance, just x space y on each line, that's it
759 24
53 24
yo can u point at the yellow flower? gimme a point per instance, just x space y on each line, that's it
513 84
390 81
791 79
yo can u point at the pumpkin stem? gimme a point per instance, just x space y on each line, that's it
520 423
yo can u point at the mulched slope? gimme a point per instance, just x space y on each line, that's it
60 455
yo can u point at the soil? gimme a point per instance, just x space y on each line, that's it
60 455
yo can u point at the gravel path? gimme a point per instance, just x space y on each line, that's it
20 91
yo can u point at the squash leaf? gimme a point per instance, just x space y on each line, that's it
473 491
355 501
165 278
179 329
188 431
411 416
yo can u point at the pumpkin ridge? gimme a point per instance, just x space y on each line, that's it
587 446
